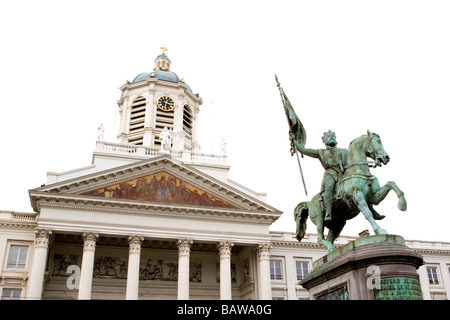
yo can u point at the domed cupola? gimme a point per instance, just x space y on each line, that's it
157 100
162 62
160 72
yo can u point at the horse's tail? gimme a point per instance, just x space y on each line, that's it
301 213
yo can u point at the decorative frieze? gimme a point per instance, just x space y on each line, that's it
116 268
61 262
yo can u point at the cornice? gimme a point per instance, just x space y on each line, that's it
440 252
155 81
132 207
18 225
313 245
162 163
296 244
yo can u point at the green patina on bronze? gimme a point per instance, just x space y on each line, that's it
398 288
348 186
340 293
363 241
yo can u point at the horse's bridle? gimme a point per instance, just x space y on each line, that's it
372 164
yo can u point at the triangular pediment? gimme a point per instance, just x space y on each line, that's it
161 187
161 182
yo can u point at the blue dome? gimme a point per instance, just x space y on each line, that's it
160 75
141 77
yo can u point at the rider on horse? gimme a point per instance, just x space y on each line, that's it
333 161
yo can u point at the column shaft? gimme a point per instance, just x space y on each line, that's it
225 269
184 247
87 266
134 260
265 283
36 280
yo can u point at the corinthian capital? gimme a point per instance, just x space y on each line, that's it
89 240
264 250
135 243
184 246
42 237
225 248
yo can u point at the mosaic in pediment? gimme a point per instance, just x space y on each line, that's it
160 187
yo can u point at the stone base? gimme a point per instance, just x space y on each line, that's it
377 267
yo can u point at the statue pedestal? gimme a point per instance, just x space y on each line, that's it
377 267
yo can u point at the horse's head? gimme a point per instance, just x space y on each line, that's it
375 149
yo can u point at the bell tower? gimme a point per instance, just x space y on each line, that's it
156 100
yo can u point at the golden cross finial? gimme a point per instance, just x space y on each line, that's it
164 49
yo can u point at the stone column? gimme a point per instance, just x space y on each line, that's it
36 280
265 283
184 249
134 258
225 269
87 266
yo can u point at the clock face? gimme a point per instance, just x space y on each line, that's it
166 103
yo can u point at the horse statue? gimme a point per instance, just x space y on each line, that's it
356 191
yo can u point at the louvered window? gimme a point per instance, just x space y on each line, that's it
187 126
137 119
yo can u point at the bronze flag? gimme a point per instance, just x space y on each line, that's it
296 129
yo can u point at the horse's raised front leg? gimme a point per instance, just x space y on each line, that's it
360 201
383 192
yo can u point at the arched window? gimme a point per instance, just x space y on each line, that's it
137 118
188 118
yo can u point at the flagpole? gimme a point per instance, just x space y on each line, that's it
300 166
292 142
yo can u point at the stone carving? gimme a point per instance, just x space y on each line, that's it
110 267
135 244
246 271
42 238
166 140
61 262
116 268
223 147
167 271
195 272
89 240
225 249
184 246
101 132
264 250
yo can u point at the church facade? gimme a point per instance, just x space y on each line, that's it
155 218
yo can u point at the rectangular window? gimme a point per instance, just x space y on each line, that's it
432 275
11 294
302 269
275 270
17 258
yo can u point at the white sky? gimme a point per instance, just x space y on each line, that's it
347 66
